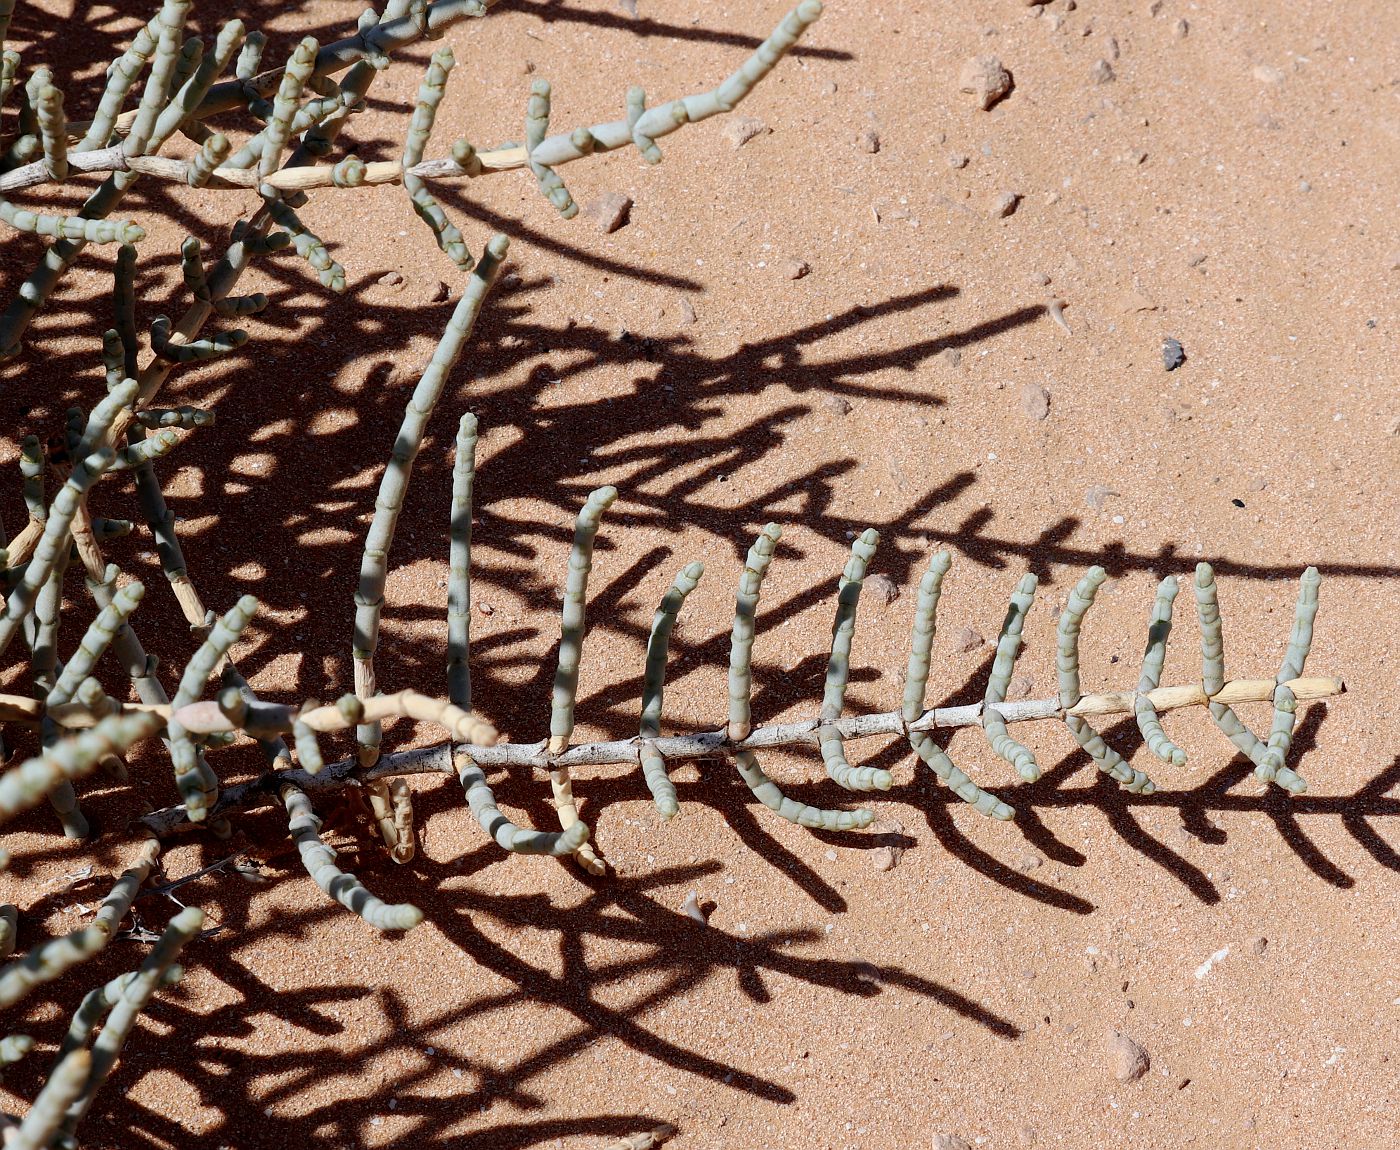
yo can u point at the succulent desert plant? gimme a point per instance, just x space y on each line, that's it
298 109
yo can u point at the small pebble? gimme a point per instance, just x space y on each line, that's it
610 212
691 906
969 640
1035 401
1028 861
1173 354
1056 308
687 312
486 608
830 855
950 1142
629 6
957 160
1128 1059
838 405
829 88
1268 74
796 269
1135 301
1025 1135
1102 72
985 79
1003 204
881 588
1180 29
740 130
1258 484
1259 946
869 141
1039 279
951 356
1098 495
1020 687
390 279
886 856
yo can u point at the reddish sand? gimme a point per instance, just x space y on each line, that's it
1233 187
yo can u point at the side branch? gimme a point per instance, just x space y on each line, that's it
438 759
550 152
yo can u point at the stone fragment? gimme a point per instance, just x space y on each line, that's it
985 79
1102 72
390 279
1098 495
609 212
1003 204
1128 1059
869 141
969 640
1173 354
950 1142
881 589
739 130
796 269
1035 401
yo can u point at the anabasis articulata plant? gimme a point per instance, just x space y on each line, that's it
295 114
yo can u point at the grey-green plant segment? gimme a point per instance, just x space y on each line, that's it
1109 761
1008 645
1159 626
916 688
838 668
663 791
571 626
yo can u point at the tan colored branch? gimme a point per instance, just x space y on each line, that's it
437 759
207 718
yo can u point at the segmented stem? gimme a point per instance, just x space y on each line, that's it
915 690
838 667
1109 761
1000 679
1159 628
319 860
663 792
561 712
741 640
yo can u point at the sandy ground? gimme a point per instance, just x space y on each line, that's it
1227 177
